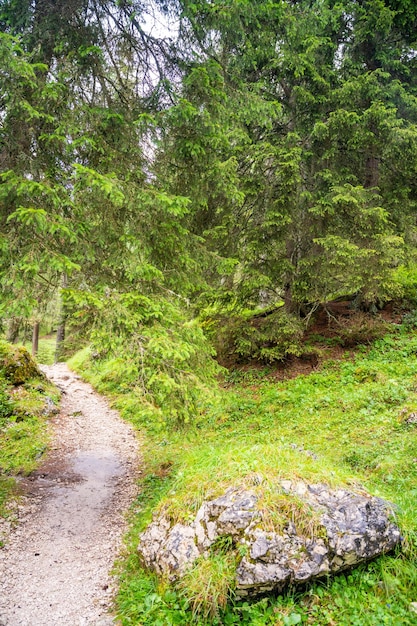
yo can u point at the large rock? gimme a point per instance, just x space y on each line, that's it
17 364
169 551
343 529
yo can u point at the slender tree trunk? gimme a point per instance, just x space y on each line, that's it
292 250
35 338
372 172
60 335
13 330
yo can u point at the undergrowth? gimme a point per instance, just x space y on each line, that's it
146 351
347 424
23 432
46 351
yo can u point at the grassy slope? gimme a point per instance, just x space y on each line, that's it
352 416
23 430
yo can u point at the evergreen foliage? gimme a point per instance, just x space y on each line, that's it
260 153
215 185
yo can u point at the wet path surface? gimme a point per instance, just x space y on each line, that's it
54 568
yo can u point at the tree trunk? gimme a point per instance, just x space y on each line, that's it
35 338
13 330
290 305
60 335
292 254
372 172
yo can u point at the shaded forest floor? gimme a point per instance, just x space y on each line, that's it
335 333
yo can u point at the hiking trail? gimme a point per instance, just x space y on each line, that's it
55 566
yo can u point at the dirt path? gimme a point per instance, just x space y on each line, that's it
54 568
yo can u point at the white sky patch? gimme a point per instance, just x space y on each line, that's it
160 25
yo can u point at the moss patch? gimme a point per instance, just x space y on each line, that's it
17 364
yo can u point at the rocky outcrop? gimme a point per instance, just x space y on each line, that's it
343 529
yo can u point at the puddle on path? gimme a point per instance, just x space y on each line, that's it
77 506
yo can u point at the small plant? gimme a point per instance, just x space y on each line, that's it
361 459
409 321
209 584
7 487
278 509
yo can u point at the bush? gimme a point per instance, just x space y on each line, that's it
267 337
406 280
6 404
148 351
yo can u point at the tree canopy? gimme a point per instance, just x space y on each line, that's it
245 155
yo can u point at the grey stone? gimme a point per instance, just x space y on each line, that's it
168 551
152 542
412 418
227 515
179 551
256 578
291 558
50 408
352 528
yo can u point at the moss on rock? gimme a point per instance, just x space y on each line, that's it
17 364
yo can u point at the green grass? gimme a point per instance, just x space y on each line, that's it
23 430
345 424
46 351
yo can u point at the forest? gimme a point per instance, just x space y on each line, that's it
200 197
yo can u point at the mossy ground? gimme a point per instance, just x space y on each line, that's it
23 425
347 423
